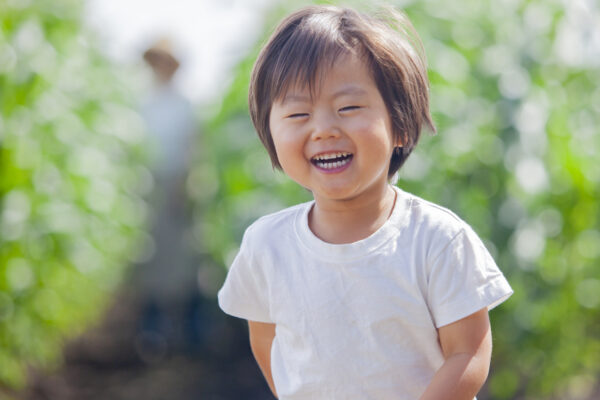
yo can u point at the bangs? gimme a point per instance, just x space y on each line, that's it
306 54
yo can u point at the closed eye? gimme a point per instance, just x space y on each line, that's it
349 108
297 115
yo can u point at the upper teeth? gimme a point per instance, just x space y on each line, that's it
329 156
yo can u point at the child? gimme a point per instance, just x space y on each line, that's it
367 292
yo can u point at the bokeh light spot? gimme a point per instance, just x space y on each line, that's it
514 83
532 175
19 274
528 242
588 293
588 243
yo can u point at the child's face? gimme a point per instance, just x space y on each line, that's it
339 143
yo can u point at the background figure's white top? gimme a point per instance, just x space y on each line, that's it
170 120
358 321
170 275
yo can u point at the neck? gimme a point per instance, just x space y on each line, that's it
351 220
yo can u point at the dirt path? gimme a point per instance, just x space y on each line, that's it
112 362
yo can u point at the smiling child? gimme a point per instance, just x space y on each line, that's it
367 292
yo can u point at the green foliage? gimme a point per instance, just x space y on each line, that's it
513 89
71 181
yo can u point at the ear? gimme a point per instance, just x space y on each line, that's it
398 141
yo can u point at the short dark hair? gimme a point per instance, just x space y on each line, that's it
307 43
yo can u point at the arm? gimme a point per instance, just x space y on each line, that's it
467 348
261 339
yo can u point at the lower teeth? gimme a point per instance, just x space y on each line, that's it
336 164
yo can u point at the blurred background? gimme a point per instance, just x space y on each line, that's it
129 169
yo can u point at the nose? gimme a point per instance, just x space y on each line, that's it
324 127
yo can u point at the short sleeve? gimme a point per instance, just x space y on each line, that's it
463 279
244 293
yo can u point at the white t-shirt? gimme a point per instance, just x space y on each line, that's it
358 321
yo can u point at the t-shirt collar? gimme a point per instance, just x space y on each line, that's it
358 249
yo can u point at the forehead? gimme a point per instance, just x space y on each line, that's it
347 73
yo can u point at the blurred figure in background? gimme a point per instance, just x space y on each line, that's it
167 283
169 116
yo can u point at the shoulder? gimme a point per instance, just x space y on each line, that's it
274 226
434 224
434 215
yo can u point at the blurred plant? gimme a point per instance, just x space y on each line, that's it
71 181
514 94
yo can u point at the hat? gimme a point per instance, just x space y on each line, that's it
160 56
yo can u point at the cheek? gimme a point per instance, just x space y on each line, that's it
289 147
376 132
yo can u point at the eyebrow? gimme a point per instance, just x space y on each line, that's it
351 89
295 98
347 90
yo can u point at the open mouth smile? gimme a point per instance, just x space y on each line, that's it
332 161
